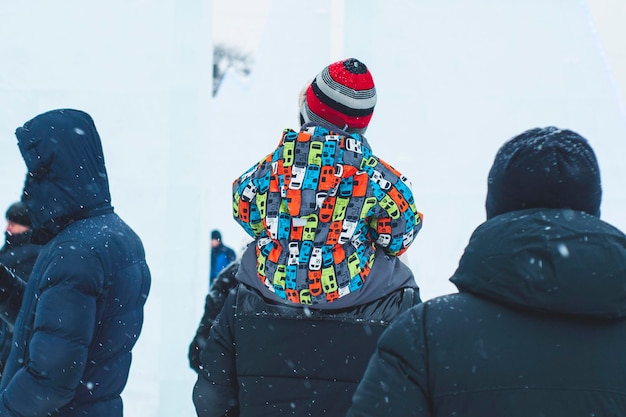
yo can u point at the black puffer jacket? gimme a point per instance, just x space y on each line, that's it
222 285
269 358
81 312
537 329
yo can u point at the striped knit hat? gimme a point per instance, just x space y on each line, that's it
343 94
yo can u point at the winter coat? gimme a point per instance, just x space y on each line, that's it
82 308
319 208
221 287
18 254
537 328
268 357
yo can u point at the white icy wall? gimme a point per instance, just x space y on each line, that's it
454 82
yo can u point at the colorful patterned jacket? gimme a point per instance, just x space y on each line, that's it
319 207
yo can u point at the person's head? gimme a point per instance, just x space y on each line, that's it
216 238
17 218
343 94
66 177
544 168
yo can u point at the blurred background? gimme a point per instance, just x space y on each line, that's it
188 95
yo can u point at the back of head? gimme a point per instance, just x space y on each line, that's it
342 94
18 213
544 168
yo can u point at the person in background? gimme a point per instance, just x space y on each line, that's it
18 254
538 327
221 256
79 315
222 285
322 278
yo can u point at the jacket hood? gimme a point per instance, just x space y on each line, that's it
66 178
319 207
553 260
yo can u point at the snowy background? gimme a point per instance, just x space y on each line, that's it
454 81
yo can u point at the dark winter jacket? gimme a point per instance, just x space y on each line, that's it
82 308
221 287
18 254
268 357
537 329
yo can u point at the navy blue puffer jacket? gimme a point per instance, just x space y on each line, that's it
82 308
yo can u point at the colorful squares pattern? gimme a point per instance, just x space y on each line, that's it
319 207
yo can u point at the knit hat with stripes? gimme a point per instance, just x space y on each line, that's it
343 94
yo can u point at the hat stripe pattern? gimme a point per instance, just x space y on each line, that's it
348 101
319 207
309 116
342 94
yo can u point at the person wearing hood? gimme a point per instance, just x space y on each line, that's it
538 326
77 318
322 278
